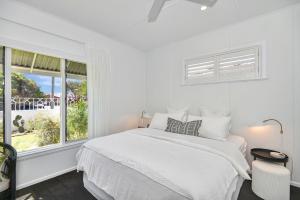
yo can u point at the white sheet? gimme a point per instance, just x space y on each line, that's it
191 166
121 182
239 141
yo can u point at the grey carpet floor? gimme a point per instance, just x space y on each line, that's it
70 187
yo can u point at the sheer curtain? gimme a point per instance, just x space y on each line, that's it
99 77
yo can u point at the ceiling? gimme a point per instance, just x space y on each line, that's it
126 20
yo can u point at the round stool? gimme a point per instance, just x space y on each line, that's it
270 181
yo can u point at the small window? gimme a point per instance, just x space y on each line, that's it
201 69
236 65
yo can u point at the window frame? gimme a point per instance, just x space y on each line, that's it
261 65
3 96
63 144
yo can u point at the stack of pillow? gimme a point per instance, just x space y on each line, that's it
209 124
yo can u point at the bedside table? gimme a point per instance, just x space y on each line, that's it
264 154
270 180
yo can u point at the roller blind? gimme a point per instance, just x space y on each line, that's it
241 64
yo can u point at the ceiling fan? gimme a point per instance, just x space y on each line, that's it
158 5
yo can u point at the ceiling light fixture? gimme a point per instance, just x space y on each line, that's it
158 5
203 8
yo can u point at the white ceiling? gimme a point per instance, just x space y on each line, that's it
126 20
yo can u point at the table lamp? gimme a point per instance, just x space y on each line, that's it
145 120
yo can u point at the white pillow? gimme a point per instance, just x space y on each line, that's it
160 120
213 127
214 113
184 110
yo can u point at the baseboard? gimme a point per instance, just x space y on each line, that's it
24 185
295 183
38 180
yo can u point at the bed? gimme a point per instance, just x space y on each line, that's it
150 164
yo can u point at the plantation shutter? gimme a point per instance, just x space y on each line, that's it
201 69
242 64
239 65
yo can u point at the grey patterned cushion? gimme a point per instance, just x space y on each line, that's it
187 128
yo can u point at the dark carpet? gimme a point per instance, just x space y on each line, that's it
70 187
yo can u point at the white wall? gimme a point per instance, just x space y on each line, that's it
297 94
250 101
23 23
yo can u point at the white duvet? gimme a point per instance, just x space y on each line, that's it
194 167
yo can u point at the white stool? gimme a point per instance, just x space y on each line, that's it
270 181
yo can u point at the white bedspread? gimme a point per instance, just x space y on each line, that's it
197 168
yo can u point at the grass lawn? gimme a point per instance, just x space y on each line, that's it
25 142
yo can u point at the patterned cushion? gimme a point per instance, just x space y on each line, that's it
187 128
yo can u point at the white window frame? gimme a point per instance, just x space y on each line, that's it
40 151
7 94
262 75
63 99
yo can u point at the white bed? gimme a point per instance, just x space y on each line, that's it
149 164
239 141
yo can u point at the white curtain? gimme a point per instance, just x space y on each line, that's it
99 72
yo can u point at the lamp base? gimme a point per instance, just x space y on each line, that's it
277 154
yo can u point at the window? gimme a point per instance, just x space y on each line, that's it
35 100
76 104
40 115
241 64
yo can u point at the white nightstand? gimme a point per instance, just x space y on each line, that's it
270 181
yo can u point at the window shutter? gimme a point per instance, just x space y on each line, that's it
201 70
241 64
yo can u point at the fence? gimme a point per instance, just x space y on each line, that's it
38 103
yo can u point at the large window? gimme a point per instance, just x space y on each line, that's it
48 100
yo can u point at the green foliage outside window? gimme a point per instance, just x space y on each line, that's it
46 128
77 118
24 87
49 132
77 113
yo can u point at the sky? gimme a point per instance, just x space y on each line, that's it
44 82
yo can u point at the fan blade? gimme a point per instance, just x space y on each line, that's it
208 3
155 10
